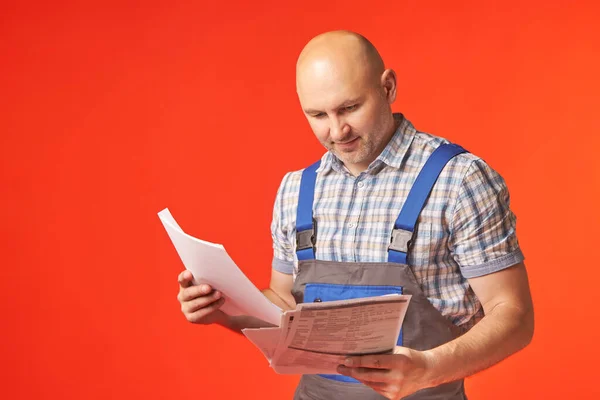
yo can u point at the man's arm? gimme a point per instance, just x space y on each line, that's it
483 229
507 327
280 290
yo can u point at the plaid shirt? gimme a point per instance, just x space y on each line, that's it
465 230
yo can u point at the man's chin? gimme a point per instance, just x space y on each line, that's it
348 158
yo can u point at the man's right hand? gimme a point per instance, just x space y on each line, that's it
200 303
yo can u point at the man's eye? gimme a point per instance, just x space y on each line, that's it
351 108
319 115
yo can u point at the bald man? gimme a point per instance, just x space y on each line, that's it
389 209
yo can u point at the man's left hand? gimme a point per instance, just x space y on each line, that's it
392 375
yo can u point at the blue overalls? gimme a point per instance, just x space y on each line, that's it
424 326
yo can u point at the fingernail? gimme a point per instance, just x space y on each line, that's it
205 288
217 295
348 362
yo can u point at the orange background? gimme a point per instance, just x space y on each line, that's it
109 113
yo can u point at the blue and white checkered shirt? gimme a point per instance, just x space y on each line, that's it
466 229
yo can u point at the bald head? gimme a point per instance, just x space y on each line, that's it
346 95
339 52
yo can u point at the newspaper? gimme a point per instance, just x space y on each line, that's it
316 337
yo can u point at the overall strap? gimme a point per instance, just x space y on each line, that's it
405 224
305 225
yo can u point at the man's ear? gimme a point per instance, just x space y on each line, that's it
388 82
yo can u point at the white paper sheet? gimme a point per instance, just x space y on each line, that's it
209 263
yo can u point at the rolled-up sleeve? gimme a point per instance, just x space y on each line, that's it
283 257
483 235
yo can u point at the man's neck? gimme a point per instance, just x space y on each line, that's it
356 169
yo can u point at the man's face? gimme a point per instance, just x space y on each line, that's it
348 112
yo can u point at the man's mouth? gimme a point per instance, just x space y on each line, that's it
347 146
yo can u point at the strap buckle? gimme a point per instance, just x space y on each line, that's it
305 239
400 240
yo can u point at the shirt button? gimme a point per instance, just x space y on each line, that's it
350 225
361 184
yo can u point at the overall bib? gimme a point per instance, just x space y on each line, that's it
424 326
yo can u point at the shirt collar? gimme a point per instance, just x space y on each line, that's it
392 155
394 152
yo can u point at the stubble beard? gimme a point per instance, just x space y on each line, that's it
363 153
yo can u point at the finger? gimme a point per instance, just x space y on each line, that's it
185 279
383 361
194 292
202 313
201 302
366 374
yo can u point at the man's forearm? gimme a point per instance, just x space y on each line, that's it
502 332
276 299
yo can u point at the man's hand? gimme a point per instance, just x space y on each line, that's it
199 303
391 375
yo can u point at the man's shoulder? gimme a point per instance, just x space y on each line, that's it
424 144
290 184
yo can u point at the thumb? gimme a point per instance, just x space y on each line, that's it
185 279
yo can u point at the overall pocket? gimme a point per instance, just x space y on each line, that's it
318 292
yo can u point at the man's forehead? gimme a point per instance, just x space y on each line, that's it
327 86
328 97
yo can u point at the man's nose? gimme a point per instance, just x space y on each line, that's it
338 129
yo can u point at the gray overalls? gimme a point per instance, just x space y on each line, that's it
424 326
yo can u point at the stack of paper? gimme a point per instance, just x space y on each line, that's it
209 263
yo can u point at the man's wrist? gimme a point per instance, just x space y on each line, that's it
434 370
